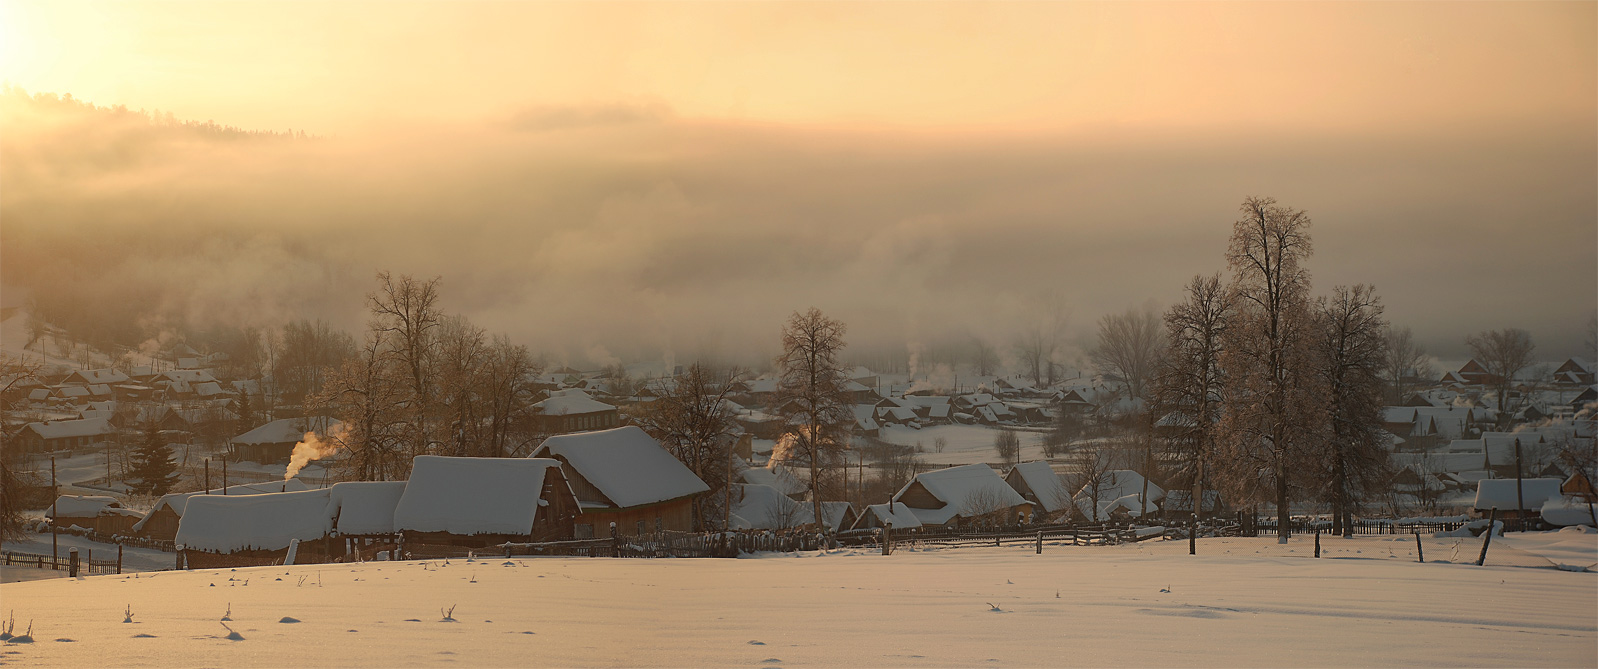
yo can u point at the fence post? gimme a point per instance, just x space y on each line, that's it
1420 550
72 562
1040 542
1492 519
615 540
1317 542
119 558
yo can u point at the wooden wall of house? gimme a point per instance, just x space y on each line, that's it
163 525
917 496
674 516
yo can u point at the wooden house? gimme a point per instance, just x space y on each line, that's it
623 476
62 435
1576 372
274 441
361 514
1513 498
963 496
898 516
572 410
480 502
80 510
1037 483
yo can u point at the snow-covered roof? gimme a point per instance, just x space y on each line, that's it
467 496
1566 511
61 429
364 507
964 490
253 522
762 507
178 501
1045 484
900 515
571 403
1500 493
626 464
286 430
1117 484
95 376
82 506
188 375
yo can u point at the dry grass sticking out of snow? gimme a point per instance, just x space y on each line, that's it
1241 602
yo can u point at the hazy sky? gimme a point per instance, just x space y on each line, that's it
677 176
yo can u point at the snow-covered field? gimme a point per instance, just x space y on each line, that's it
1240 602
966 444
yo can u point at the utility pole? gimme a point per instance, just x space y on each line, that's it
56 495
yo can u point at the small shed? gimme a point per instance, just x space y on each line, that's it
80 510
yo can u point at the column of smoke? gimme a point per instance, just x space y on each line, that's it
313 448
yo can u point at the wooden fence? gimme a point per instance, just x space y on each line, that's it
86 564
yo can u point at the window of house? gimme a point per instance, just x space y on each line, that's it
641 527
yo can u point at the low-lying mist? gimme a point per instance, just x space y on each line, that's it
624 232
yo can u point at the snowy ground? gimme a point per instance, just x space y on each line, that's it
967 444
1240 602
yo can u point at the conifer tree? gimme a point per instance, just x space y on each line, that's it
154 472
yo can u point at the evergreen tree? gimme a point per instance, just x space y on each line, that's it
246 411
154 472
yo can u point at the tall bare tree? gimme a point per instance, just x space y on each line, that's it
367 395
1351 353
983 357
1406 359
507 392
1129 349
461 356
694 421
406 314
1266 359
811 398
1503 353
307 349
1038 342
1189 388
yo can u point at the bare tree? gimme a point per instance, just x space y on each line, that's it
1189 388
985 506
1266 358
306 351
1351 352
507 394
694 421
811 398
367 393
1503 353
1093 475
13 371
983 357
1406 359
405 313
1129 349
1038 342
1007 444
1590 343
461 356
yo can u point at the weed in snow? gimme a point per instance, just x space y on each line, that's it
127 616
228 616
449 616
231 635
